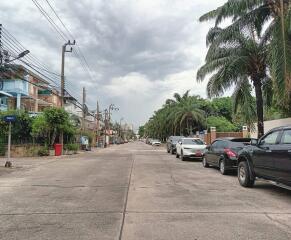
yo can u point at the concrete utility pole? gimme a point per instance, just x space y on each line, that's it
111 107
1 47
64 50
97 124
84 109
106 123
120 128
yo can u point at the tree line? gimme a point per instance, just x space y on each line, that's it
251 56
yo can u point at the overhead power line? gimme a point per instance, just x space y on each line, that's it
78 52
20 48
51 21
78 104
14 47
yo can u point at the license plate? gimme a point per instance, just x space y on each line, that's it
198 153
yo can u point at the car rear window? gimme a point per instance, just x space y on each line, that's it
193 141
240 143
175 138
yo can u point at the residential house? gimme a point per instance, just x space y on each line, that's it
28 91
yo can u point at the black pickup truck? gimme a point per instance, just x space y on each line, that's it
268 158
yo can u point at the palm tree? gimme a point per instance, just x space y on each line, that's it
244 104
271 18
185 111
234 59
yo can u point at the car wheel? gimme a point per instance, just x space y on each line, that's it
204 162
244 175
177 155
222 167
172 151
182 156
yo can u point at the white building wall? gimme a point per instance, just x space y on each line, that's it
272 124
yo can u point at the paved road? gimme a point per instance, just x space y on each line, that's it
133 192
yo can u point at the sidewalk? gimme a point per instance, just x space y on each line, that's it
30 162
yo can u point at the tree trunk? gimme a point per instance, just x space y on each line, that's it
260 107
187 120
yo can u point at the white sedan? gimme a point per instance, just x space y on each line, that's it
190 148
156 142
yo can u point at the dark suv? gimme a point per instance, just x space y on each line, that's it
269 158
171 143
223 153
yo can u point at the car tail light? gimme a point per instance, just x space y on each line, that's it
230 153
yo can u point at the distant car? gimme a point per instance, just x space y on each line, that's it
190 148
149 141
156 142
171 144
268 158
223 153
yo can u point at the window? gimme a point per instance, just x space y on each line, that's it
221 144
193 141
215 144
286 138
270 138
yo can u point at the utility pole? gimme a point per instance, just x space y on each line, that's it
1 46
97 124
120 128
106 123
83 109
64 50
111 107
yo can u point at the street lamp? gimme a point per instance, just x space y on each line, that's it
20 55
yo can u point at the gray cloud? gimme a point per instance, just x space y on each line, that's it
140 52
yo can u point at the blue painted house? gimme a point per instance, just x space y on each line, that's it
13 85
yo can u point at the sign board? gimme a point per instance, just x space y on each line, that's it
84 140
10 118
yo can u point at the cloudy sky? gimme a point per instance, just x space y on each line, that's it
140 51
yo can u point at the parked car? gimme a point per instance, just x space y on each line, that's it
171 143
156 142
268 158
223 153
190 148
149 141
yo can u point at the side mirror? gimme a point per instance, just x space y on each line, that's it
254 142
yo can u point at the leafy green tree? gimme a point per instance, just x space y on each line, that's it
221 124
141 131
223 107
51 123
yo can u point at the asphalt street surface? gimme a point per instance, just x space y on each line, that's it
135 191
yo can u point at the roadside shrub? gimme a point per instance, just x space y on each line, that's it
71 147
43 152
2 149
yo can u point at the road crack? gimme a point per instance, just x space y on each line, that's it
126 199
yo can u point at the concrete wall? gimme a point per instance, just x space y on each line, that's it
272 124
